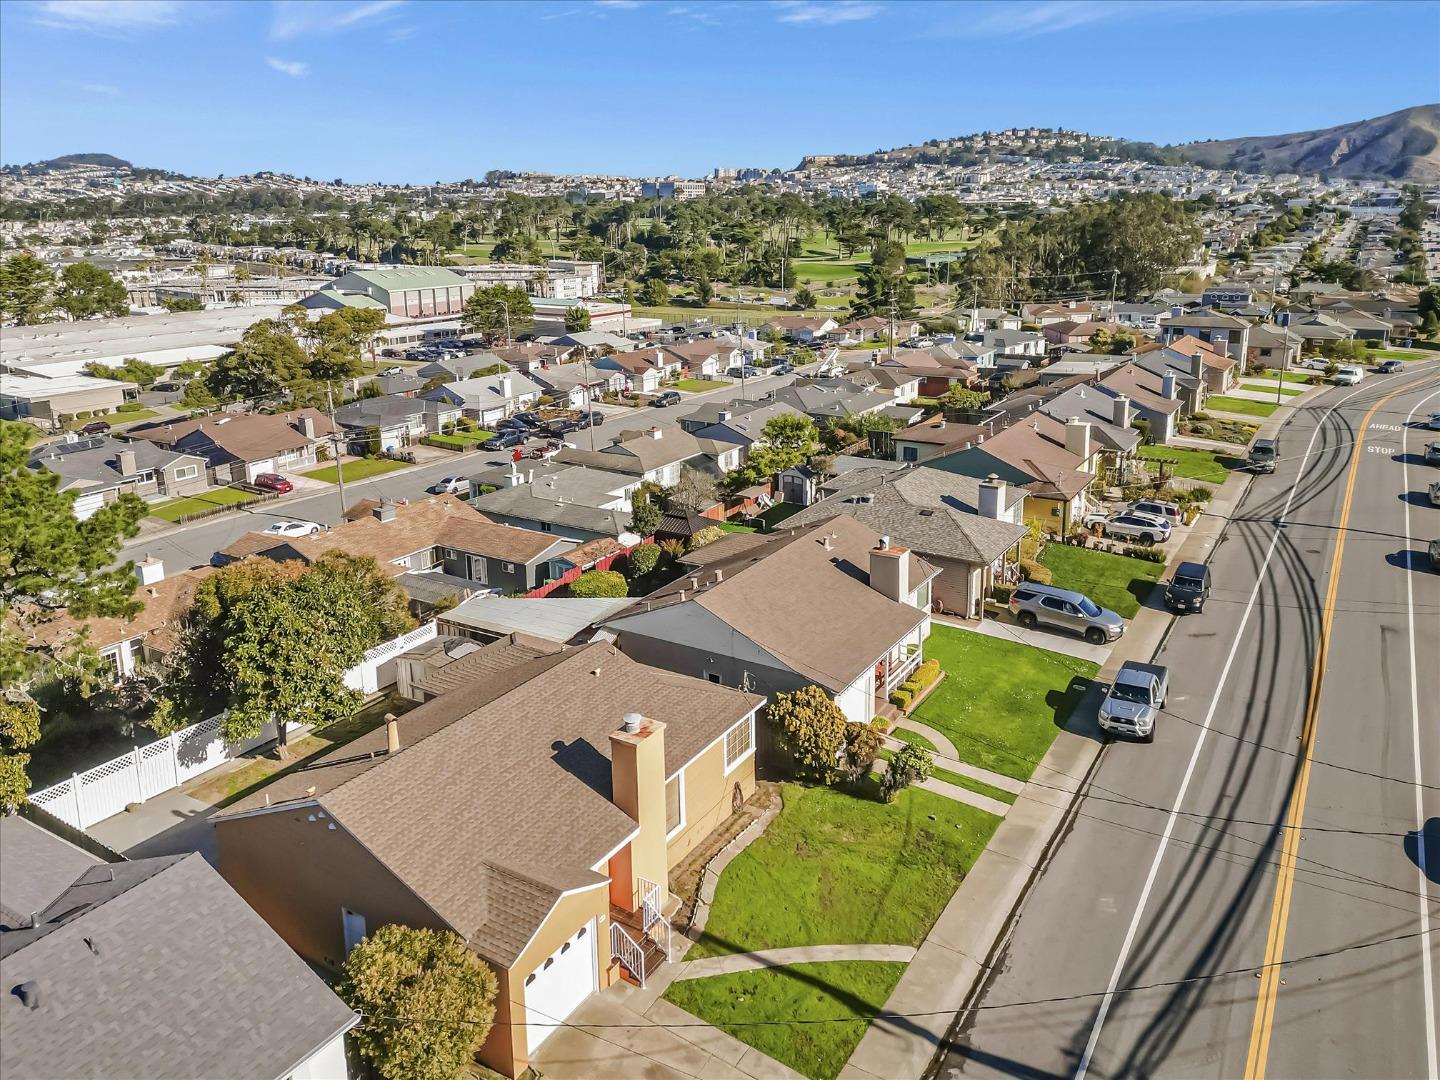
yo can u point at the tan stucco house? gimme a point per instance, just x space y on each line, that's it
536 810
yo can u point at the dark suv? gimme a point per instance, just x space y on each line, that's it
1188 588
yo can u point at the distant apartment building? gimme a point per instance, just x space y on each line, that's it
558 279
672 188
414 292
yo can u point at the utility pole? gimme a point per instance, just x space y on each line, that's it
1114 276
335 449
892 324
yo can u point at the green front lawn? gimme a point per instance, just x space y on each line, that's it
778 513
461 440
359 469
1117 582
1271 388
1401 354
1204 465
729 526
114 419
786 1012
175 509
1287 376
1243 406
699 386
839 868
1001 703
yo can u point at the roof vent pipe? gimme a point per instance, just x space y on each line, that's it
632 722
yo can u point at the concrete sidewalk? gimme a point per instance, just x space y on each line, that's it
1007 629
799 954
952 961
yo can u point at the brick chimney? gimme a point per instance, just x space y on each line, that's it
890 570
637 786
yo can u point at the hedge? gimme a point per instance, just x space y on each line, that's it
1146 554
1031 570
900 698
926 674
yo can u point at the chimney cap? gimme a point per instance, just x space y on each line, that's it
632 722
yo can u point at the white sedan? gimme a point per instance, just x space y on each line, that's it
1132 526
1434 422
450 485
293 528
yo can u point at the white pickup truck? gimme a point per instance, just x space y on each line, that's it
1136 697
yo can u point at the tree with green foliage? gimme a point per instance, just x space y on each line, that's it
645 516
885 285
704 291
811 729
643 560
962 399
695 492
26 289
788 441
707 535
654 293
577 319
272 641
804 298
265 363
497 310
131 370
1112 341
182 303
336 344
521 248
86 290
51 565
599 584
910 765
403 971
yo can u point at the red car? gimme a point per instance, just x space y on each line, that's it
269 481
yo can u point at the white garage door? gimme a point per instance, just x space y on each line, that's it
86 505
562 981
255 468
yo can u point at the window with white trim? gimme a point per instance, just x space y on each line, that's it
674 804
186 472
739 742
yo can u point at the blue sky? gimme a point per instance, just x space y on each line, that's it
417 91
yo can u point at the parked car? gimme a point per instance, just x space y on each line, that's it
1135 699
1165 511
1434 552
503 439
1432 453
529 419
665 400
1131 526
1263 453
783 368
562 425
450 485
95 427
392 371
1390 367
1435 493
1348 375
1188 588
589 420
1312 363
269 481
742 371
1433 423
1033 605
293 528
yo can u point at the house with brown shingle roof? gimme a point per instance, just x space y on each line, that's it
536 810
1154 395
835 605
238 447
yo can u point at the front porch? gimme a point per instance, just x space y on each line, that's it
896 666
641 938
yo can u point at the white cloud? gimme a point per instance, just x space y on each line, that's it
106 16
296 69
1054 16
292 19
622 4
827 12
101 89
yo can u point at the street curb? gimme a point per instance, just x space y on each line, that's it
959 954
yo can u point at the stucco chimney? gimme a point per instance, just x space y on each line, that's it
1077 438
992 497
150 570
655 433
125 462
637 786
1197 363
307 426
890 570
392 734
386 511
1121 407
1167 386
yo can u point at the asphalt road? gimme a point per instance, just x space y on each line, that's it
193 544
1185 926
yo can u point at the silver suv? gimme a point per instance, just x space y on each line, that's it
1044 604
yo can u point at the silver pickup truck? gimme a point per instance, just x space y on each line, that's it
1133 704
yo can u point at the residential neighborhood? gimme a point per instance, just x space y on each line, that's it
764 604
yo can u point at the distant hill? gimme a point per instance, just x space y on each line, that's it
1404 145
109 161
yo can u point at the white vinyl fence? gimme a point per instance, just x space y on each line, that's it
151 770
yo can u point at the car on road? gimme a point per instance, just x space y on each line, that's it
1435 493
1188 588
665 400
745 371
270 481
450 485
589 420
783 368
1434 422
560 426
1132 706
1263 453
1034 605
1348 375
1432 453
503 439
1144 528
1434 552
293 528
1165 511
95 427
1390 367
392 371
529 419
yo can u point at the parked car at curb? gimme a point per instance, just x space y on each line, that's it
95 427
1263 453
1312 363
1348 375
1435 493
1434 552
1432 453
665 400
1188 588
503 439
1132 706
450 485
269 481
1434 422
293 528
1034 605
558 427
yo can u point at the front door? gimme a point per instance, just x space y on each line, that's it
354 924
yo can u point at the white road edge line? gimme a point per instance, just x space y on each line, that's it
1103 1011
1428 975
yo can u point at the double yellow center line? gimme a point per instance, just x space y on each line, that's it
1260 1032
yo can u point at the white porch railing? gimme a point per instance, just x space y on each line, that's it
652 911
628 951
897 672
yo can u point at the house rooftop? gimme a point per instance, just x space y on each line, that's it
246 437
94 462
